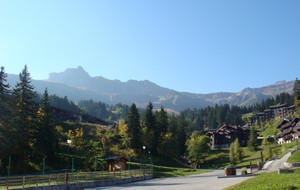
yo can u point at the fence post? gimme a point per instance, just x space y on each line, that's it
23 183
36 180
7 182
43 165
8 172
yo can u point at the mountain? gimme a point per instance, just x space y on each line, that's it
77 84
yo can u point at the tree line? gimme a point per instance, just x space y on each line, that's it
29 133
24 126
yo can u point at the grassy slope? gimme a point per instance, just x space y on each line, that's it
163 171
269 181
219 158
295 157
270 128
249 156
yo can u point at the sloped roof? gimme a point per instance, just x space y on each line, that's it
284 121
116 158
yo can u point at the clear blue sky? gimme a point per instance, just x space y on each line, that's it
197 46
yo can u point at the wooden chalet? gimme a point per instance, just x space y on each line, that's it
289 130
282 110
275 111
225 135
116 163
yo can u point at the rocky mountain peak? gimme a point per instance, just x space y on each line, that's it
78 72
72 76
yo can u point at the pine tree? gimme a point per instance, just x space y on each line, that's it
23 119
134 127
296 89
252 141
181 134
46 135
235 152
162 123
4 87
4 100
232 157
296 93
5 114
150 125
267 149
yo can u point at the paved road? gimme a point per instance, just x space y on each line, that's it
205 181
278 163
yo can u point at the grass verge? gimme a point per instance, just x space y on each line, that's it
161 171
269 181
164 171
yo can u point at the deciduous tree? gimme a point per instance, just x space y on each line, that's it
198 147
235 152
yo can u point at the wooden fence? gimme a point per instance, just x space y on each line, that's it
15 182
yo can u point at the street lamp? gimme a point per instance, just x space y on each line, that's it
144 148
69 141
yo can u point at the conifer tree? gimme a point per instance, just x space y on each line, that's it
252 141
5 113
296 88
4 87
162 121
150 129
296 91
235 152
46 136
267 149
134 128
232 157
23 119
4 101
181 134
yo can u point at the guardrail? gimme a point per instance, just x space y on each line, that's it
16 182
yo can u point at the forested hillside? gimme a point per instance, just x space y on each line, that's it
36 127
29 132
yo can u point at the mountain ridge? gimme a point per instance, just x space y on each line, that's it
77 84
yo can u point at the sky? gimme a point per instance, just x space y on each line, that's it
199 46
